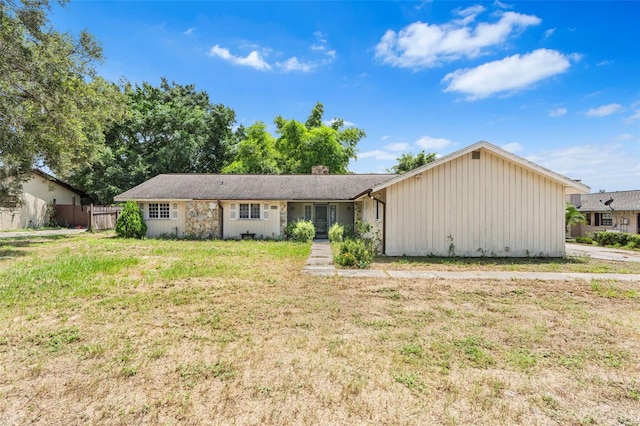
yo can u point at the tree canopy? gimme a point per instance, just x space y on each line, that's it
407 162
172 128
53 106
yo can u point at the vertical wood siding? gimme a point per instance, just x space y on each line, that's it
262 228
158 227
485 207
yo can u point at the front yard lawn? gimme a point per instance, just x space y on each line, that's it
98 330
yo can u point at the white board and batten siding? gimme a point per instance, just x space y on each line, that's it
174 225
476 207
266 226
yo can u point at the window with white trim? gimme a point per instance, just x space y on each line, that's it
307 212
159 211
249 211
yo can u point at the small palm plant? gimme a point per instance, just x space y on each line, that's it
572 217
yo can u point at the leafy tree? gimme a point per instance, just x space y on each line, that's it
169 129
53 106
572 216
130 223
301 146
407 162
256 153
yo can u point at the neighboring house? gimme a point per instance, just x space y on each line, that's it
40 193
479 201
608 211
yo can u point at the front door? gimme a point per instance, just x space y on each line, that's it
320 220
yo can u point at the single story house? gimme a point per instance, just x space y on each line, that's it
41 197
478 201
608 211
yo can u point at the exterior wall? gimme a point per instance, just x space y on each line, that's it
202 219
484 207
32 213
262 228
171 226
618 217
46 190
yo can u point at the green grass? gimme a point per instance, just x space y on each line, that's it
144 332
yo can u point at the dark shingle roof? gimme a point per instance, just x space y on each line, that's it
622 200
253 187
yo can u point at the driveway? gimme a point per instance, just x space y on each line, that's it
41 233
604 253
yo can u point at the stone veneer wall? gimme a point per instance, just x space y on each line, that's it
201 221
283 217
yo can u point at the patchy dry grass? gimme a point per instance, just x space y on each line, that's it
95 330
533 264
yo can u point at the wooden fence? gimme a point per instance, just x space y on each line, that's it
103 217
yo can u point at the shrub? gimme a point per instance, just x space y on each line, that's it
336 233
604 238
302 231
130 223
355 253
584 240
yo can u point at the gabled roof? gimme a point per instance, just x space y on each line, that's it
253 187
571 186
57 181
622 200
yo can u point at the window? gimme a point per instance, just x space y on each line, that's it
307 212
249 211
159 211
587 217
607 219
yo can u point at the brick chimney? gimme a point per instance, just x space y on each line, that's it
319 170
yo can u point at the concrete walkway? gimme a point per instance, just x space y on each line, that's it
605 253
320 264
36 233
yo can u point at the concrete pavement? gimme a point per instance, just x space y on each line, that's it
36 233
320 263
604 253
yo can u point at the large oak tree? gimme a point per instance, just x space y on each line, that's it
53 106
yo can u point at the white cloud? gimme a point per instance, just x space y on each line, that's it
424 45
377 155
557 112
603 111
634 117
513 147
293 64
623 137
605 62
253 59
398 146
345 123
189 31
427 142
602 165
548 33
509 74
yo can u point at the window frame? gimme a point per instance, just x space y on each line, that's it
248 210
159 211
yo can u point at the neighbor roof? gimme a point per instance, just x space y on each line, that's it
54 179
571 186
253 187
622 200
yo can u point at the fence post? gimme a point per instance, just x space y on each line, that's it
91 218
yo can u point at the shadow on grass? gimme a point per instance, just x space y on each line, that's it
11 247
480 261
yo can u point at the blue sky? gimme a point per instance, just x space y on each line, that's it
555 82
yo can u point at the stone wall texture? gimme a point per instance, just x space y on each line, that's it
201 221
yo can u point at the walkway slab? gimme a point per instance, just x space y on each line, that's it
362 273
412 274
